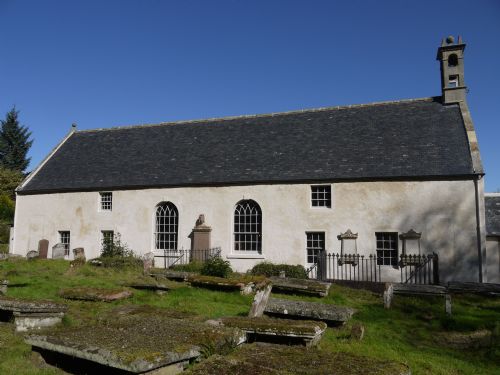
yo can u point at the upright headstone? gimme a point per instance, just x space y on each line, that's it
260 301
58 251
79 253
148 262
43 248
32 254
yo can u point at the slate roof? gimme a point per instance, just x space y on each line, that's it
403 139
492 210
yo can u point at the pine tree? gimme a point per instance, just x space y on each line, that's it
14 143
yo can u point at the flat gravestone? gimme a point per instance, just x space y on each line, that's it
58 251
278 330
331 314
95 294
302 286
135 343
43 248
31 314
32 254
268 359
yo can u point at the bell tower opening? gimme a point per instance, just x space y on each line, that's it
451 58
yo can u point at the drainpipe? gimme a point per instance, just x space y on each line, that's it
478 228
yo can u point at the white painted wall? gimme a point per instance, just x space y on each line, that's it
493 259
444 211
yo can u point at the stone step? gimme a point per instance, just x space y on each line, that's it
331 314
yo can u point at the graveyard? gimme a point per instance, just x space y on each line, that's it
121 319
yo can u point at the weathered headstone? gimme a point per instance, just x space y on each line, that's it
43 248
79 253
58 251
3 286
148 261
260 301
357 331
32 254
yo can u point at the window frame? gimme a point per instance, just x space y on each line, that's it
258 234
453 81
168 235
324 199
104 233
314 256
394 260
67 245
102 202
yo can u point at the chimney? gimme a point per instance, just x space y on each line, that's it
451 57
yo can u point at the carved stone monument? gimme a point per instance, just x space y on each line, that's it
201 240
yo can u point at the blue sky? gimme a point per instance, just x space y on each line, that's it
108 63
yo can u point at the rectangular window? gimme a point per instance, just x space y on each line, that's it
321 196
453 81
315 244
107 238
106 201
65 239
387 248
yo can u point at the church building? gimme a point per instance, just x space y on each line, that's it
279 187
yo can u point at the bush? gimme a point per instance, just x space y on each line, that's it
269 269
115 248
117 254
216 266
194 266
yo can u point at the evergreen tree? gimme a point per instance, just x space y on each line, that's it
14 143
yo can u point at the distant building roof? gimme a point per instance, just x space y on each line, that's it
492 211
392 140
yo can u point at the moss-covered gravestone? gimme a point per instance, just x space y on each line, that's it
135 343
95 294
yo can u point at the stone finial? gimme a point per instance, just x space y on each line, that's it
410 235
348 235
450 39
201 220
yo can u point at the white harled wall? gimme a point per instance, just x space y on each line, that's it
444 211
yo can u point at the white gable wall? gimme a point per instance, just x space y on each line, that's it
444 211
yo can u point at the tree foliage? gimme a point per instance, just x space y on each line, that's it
9 180
15 143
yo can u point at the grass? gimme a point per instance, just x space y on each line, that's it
409 332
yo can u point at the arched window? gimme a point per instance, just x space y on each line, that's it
453 60
167 222
248 226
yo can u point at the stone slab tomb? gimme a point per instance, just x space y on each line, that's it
95 294
132 343
392 289
282 331
300 286
269 359
331 314
31 314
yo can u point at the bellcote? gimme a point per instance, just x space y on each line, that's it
450 56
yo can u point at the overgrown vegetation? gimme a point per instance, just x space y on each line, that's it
270 269
195 266
216 266
410 332
116 254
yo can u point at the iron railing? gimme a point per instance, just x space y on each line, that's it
416 269
169 258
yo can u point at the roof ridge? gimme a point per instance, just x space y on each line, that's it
272 114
